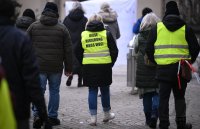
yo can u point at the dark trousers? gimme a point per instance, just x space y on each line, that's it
179 97
23 124
150 104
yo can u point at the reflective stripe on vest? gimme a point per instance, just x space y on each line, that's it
170 47
95 47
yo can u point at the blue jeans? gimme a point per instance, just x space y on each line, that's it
105 99
151 103
54 81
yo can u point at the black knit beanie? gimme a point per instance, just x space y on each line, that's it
51 6
29 13
7 8
172 8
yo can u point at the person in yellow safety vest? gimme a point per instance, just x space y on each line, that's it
7 117
169 42
97 53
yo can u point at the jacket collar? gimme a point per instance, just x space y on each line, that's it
6 21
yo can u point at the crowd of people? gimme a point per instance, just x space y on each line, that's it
36 51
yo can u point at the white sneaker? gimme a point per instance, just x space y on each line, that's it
108 116
93 120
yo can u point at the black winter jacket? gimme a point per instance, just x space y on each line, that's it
98 74
172 23
21 68
75 23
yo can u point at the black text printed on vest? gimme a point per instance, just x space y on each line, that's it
94 40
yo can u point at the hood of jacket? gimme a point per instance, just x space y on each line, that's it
95 26
108 16
173 22
24 22
76 15
49 18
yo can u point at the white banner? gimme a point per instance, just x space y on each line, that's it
126 10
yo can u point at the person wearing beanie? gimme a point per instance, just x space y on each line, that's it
136 26
27 18
52 42
21 68
8 9
174 35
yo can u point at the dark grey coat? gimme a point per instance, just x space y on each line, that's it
145 75
24 22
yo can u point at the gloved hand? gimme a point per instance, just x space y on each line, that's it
44 119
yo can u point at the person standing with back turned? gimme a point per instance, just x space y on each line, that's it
136 30
145 74
170 41
27 18
98 53
21 68
75 22
53 47
136 27
109 17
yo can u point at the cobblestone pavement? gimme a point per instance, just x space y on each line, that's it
73 111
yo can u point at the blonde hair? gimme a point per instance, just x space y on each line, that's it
105 7
95 17
149 21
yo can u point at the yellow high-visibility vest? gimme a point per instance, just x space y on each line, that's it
95 47
7 118
170 47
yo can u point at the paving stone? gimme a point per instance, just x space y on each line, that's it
74 113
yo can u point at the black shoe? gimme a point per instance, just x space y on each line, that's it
37 123
147 123
47 125
69 81
187 126
54 121
148 118
153 123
